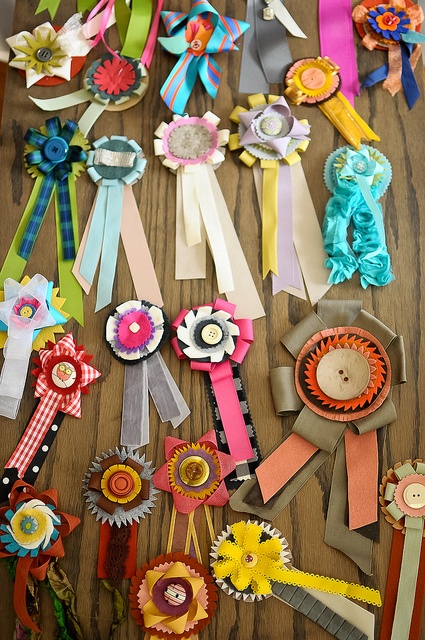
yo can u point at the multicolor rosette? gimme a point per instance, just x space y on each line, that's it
194 37
112 83
115 164
25 312
172 596
357 179
394 27
136 331
347 361
63 375
268 132
316 81
55 156
210 337
31 532
252 561
193 148
402 500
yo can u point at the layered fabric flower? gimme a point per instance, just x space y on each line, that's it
394 27
32 529
357 179
172 596
194 37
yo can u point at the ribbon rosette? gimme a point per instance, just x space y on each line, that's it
172 596
193 148
357 178
31 530
252 561
346 363
24 313
392 26
194 37
55 156
136 331
402 499
115 165
270 133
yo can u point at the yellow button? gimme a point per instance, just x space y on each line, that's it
414 495
250 560
211 334
343 374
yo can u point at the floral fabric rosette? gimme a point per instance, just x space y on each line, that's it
193 148
357 179
393 26
268 132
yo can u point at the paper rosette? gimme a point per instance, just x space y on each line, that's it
357 179
31 530
113 82
63 374
136 331
402 500
27 315
393 26
172 596
252 561
194 37
268 132
316 81
346 363
115 164
55 156
192 148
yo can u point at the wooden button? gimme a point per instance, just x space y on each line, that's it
313 78
343 374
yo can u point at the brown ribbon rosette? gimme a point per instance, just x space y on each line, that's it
346 364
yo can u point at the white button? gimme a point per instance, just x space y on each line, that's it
414 495
343 374
54 427
44 448
211 334
6 480
36 469
134 327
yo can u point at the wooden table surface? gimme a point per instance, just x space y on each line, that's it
399 305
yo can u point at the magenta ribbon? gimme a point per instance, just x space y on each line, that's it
109 5
337 42
221 377
147 54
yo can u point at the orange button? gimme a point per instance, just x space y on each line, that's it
313 78
121 483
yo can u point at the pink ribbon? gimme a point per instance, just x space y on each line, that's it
109 6
147 54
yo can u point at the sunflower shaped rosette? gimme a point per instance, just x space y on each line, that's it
346 363
32 529
172 596
357 179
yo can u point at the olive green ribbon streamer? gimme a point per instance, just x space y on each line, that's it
50 5
138 28
63 596
85 5
122 17
120 607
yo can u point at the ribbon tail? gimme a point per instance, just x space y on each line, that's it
209 73
347 121
84 284
63 102
190 261
19 593
135 411
90 116
285 18
376 76
17 351
269 210
191 210
371 203
108 259
147 55
94 238
362 474
408 80
168 400
178 86
51 5
32 229
85 5
138 28
120 607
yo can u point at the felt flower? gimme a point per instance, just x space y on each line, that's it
388 21
194 473
172 597
114 77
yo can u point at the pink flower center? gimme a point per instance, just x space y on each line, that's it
135 330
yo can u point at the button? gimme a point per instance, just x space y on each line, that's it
27 311
250 560
196 45
64 375
343 374
211 334
121 483
134 327
175 594
360 166
194 471
414 495
55 149
313 78
44 54
271 126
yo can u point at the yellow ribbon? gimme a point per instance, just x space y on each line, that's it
270 215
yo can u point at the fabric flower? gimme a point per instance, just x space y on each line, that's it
24 308
114 77
388 21
361 163
173 596
194 473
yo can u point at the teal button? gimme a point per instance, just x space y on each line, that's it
55 149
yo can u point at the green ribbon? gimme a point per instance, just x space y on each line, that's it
63 597
120 607
51 6
137 28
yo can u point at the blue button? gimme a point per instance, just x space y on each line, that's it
55 149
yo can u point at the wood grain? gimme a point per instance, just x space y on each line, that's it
400 305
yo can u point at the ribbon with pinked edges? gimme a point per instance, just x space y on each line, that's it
24 312
63 374
270 133
316 81
210 337
193 148
393 26
136 331
31 532
356 178
194 37
402 500
112 83
251 561
115 165
347 361
55 156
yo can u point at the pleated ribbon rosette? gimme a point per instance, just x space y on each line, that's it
269 133
55 156
115 164
347 361
31 530
251 561
193 148
194 37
